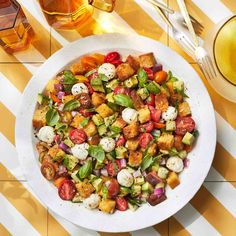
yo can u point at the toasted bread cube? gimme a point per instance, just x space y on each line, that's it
39 119
147 60
131 131
133 62
152 149
56 153
184 109
50 87
124 71
98 99
77 120
165 141
132 144
161 102
144 115
104 111
78 69
67 98
135 158
85 189
173 180
90 129
107 205
119 122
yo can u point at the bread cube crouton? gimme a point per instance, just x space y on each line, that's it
78 69
133 62
107 205
50 87
98 99
184 109
85 189
173 180
147 60
144 115
124 71
90 129
104 111
132 144
56 153
119 122
131 131
77 120
152 149
135 158
67 98
165 141
161 102
39 118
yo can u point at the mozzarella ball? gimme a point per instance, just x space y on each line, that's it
79 88
46 134
125 178
175 164
80 151
108 144
108 70
129 115
92 201
170 114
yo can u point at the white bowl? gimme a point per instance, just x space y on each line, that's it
192 177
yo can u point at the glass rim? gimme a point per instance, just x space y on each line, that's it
214 47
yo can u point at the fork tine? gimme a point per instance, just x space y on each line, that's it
196 21
210 66
198 30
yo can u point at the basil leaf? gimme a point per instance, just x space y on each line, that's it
84 122
43 100
52 117
71 105
195 133
103 77
115 129
142 77
85 170
134 201
61 126
69 78
146 162
123 100
97 152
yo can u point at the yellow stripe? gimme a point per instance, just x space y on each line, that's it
4 231
17 74
140 21
5 174
28 206
214 212
231 4
114 234
176 228
162 228
55 228
7 124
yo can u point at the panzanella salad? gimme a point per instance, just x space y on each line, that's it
113 132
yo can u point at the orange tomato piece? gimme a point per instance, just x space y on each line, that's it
160 76
99 58
58 181
55 98
159 125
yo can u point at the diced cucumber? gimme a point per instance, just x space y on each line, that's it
110 119
69 143
139 180
131 82
131 170
98 88
135 190
147 187
160 185
77 199
112 84
162 172
156 133
143 93
120 152
97 119
97 184
132 207
70 161
102 129
124 191
96 81
154 87
74 177
188 139
182 154
43 100
110 98
155 167
170 125
178 85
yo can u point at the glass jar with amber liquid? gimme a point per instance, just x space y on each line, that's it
72 14
15 31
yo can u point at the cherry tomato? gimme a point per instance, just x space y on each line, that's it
159 125
55 98
112 56
120 141
59 181
116 62
67 190
137 100
151 100
113 187
48 170
91 90
147 127
149 73
184 125
85 112
92 76
178 143
121 204
160 76
145 139
124 91
85 100
77 136
155 114
113 167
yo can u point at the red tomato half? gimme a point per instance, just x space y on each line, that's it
149 73
116 62
151 100
184 125
113 187
155 114
112 56
90 89
145 139
147 127
48 170
124 91
120 141
77 136
121 204
85 112
113 167
67 190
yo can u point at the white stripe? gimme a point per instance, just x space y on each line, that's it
194 222
147 232
13 221
225 193
214 175
214 9
9 94
226 135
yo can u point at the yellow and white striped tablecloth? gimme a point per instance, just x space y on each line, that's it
213 209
